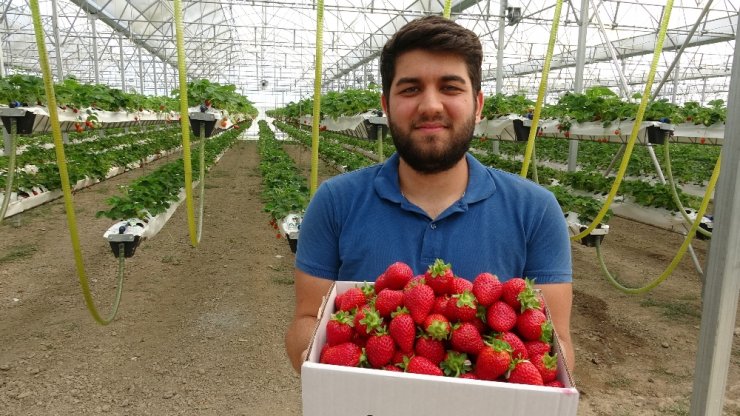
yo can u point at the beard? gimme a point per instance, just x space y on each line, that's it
433 154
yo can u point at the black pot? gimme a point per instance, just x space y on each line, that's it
24 123
656 135
293 243
197 125
129 247
591 240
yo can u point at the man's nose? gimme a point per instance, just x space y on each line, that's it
431 102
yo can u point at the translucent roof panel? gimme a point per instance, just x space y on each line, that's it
267 48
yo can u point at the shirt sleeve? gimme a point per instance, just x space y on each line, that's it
548 247
318 240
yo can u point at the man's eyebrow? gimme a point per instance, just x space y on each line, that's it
445 78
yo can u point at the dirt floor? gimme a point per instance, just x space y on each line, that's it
200 330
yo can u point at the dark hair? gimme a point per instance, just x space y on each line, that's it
436 34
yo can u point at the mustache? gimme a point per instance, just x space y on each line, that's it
444 122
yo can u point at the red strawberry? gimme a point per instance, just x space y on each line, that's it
380 348
460 285
401 357
439 277
535 348
462 307
437 326
555 383
466 338
524 372
431 349
338 302
347 354
421 365
501 317
388 301
392 367
493 360
381 283
339 328
455 364
416 280
403 330
440 305
547 365
353 298
419 300
510 291
470 376
367 320
398 275
518 350
486 288
533 325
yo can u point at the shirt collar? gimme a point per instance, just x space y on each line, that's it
480 182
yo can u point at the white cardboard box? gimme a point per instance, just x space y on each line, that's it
330 390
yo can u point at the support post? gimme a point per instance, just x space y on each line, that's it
723 269
578 82
57 42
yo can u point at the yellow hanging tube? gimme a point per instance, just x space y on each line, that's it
636 125
64 175
315 119
185 122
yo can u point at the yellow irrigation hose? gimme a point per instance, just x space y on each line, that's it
185 122
64 176
543 87
11 168
448 9
681 250
316 99
674 193
636 127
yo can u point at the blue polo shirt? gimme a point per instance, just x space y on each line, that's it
358 223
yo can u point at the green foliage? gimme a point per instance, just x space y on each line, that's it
350 102
500 105
219 96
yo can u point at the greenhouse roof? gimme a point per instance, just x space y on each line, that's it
267 48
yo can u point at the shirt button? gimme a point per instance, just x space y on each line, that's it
433 226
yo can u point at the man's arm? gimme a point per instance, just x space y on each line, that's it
309 292
559 298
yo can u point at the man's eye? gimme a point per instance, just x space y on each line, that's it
409 90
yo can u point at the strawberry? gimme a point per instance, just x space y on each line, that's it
538 347
402 329
510 291
566 134
380 348
533 325
469 376
617 132
501 317
392 367
339 328
460 285
367 320
466 338
440 305
419 300
388 301
555 383
547 365
346 354
439 277
421 365
524 372
462 307
493 360
401 357
353 298
416 280
455 364
486 288
518 350
338 302
437 326
429 348
398 275
381 283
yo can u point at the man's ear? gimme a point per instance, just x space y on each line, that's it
384 103
479 106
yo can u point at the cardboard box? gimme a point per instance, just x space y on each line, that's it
330 390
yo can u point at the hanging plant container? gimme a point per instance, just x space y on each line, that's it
656 135
597 235
129 233
24 119
522 129
290 226
202 121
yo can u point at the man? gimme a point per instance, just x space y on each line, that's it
431 199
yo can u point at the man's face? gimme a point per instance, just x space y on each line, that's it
432 110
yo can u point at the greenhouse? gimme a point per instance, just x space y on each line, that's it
233 207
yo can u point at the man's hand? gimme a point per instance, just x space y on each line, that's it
309 294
